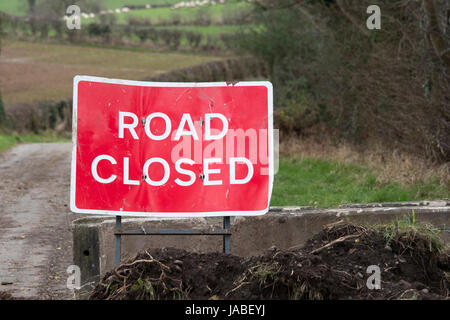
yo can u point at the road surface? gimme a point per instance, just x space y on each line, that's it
35 235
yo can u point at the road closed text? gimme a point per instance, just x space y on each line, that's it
189 174
127 127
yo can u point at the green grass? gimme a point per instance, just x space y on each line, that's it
321 183
114 4
408 229
186 15
20 7
206 30
14 7
9 140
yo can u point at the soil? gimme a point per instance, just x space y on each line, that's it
332 265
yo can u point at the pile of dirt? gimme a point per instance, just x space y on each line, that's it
332 265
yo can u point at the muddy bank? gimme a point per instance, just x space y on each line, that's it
332 265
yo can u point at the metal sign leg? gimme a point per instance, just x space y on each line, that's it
118 239
225 232
226 238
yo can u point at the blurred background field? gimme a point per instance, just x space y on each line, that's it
364 115
44 71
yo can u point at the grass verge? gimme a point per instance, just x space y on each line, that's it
328 183
9 140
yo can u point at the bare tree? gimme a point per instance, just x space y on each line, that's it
438 41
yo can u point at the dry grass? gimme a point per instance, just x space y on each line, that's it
390 166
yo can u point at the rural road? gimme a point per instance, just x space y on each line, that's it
35 235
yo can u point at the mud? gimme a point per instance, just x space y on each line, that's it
332 265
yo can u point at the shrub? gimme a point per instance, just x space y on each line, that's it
98 30
142 34
194 39
44 29
165 36
202 17
175 39
228 40
153 35
176 19
58 26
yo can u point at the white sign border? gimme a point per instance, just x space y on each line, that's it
73 207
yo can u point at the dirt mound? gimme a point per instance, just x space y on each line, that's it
332 265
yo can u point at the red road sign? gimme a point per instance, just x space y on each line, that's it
171 149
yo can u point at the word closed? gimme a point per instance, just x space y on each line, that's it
171 149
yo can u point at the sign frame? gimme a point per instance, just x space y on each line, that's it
80 78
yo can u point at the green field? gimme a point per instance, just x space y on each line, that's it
14 7
323 183
185 17
216 13
208 19
206 30
20 8
113 4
